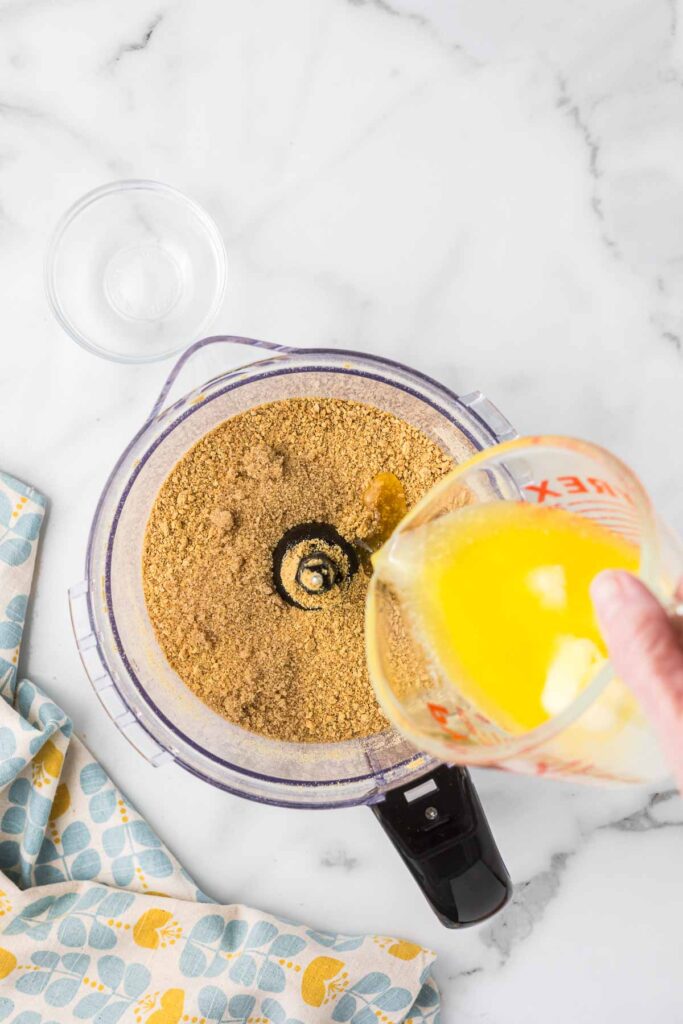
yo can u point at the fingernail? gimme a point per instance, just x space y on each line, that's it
608 587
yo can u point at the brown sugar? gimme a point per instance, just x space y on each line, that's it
275 642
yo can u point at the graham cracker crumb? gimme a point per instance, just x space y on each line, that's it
281 671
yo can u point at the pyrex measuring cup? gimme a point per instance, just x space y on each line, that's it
602 734
431 812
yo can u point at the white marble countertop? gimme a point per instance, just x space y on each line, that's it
490 190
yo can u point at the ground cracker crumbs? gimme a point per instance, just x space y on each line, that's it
283 672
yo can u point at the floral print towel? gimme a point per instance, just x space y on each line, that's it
98 921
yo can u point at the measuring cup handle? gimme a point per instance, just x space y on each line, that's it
445 841
189 352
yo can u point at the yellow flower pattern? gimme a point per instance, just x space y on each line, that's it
8 962
47 764
98 921
5 903
171 1005
156 929
399 948
316 983
61 802
404 950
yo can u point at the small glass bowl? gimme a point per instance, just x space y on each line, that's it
135 271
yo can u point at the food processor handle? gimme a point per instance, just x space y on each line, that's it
440 830
216 339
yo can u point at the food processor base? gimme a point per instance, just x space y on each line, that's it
440 830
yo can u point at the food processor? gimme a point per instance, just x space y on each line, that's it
430 811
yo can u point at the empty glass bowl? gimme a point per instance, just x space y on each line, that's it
135 271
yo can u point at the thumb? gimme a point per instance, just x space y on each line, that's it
646 653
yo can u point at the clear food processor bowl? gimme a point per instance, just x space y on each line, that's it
146 699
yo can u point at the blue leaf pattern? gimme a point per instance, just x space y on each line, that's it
16 609
5 508
88 951
375 982
345 1008
28 525
14 551
273 1011
212 1002
271 978
10 635
135 980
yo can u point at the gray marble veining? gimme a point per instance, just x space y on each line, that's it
490 190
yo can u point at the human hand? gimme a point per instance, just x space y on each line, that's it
646 650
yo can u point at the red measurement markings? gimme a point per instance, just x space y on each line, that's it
440 715
478 728
610 507
608 512
557 767
559 486
612 514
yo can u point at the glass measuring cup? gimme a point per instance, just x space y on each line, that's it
602 734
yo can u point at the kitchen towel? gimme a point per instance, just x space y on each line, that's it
99 922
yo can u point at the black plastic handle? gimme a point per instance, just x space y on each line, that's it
439 827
